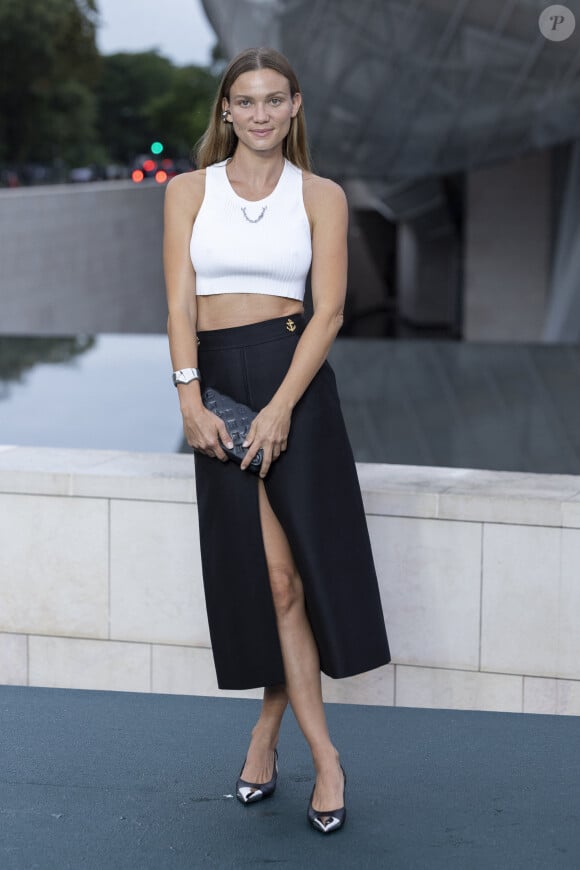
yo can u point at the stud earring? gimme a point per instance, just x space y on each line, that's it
225 114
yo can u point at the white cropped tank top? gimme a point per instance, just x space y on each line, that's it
239 246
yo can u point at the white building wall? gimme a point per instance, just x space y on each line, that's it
100 581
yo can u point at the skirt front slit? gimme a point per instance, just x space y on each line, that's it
314 491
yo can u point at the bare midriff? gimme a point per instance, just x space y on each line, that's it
224 310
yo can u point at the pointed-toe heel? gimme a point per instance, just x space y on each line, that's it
252 792
330 820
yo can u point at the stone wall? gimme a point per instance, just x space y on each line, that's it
100 581
82 259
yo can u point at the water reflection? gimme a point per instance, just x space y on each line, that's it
20 353
102 392
503 407
466 405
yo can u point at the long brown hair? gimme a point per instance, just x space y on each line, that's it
219 140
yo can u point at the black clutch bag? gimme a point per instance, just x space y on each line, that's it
238 419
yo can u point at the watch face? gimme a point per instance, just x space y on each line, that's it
185 376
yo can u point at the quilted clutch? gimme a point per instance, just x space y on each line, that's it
238 419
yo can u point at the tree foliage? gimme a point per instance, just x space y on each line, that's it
182 114
60 101
143 97
49 65
129 83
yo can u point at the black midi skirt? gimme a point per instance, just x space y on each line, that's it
314 491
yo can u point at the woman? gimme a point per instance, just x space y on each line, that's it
288 574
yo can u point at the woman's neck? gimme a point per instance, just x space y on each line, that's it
255 172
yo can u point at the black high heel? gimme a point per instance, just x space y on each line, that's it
330 820
252 792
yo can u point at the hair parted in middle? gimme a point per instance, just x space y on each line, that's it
219 140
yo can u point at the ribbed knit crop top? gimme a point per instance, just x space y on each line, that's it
239 246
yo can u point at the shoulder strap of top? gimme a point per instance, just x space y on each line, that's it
214 177
292 177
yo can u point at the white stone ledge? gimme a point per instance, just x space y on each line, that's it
388 490
97 474
471 495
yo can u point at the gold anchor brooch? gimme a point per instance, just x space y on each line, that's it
290 325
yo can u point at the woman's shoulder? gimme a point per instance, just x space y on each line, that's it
321 194
186 182
187 190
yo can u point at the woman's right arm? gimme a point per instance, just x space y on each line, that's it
184 194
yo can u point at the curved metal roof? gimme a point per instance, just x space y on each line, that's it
404 89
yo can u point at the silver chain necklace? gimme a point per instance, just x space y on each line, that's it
255 220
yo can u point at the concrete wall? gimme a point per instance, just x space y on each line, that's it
507 250
87 257
82 258
100 582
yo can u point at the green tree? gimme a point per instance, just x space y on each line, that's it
129 84
49 65
182 114
144 97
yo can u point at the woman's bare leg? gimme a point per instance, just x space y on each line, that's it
259 765
301 666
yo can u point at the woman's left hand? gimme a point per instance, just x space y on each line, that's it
269 431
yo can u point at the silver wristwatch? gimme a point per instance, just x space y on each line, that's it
185 376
